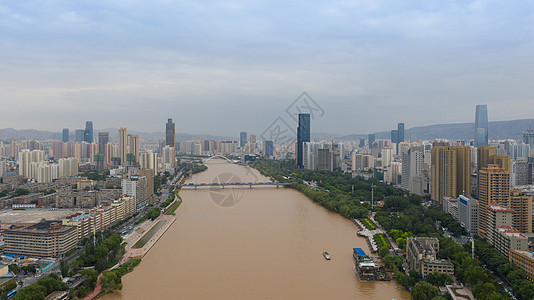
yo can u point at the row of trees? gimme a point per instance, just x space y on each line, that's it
105 254
151 214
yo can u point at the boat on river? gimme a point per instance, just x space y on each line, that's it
326 255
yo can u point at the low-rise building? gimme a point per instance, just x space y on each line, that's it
524 260
44 239
509 238
421 256
450 205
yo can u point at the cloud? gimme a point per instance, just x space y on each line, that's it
209 63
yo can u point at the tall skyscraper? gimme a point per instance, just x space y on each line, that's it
303 136
65 135
88 132
400 132
481 125
371 138
134 146
528 137
394 136
170 133
79 135
242 139
103 139
123 145
268 148
494 186
451 168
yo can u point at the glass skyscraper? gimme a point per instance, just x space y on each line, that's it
242 139
400 132
65 135
481 125
303 136
88 132
170 133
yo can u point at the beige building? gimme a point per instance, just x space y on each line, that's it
524 260
44 239
494 186
521 204
451 168
421 256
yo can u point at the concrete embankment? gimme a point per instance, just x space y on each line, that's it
132 252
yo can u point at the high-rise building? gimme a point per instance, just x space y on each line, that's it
79 135
149 174
134 146
88 132
103 139
242 139
123 145
268 148
468 214
494 186
394 136
400 132
521 204
371 138
481 125
136 186
528 137
412 165
65 135
252 139
170 133
303 136
451 171
149 160
169 157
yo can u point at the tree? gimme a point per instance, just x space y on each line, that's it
64 268
111 280
14 268
32 292
424 291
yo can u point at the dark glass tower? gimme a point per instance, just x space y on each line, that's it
169 133
394 136
65 135
481 125
88 132
400 132
103 139
303 136
242 139
79 135
371 138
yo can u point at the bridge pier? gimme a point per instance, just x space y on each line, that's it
250 185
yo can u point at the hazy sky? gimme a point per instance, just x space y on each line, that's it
221 67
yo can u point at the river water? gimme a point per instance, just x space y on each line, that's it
262 243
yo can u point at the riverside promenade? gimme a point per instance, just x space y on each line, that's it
140 252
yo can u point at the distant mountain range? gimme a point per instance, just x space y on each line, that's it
497 130
7 134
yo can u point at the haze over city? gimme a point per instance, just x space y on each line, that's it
215 66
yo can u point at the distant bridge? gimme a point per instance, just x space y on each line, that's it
250 185
219 156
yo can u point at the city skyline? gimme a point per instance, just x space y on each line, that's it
430 63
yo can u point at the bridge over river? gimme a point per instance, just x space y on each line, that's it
234 185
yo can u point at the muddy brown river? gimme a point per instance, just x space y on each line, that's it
260 243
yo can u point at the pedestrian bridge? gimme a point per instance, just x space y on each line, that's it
234 185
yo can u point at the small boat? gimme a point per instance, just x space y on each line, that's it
326 255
